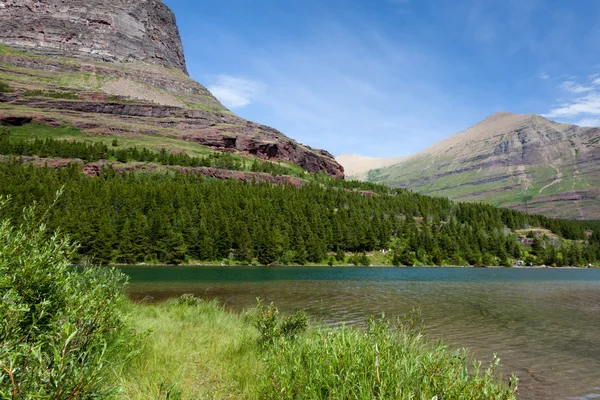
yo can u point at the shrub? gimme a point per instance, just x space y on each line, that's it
272 327
52 94
188 300
4 88
60 328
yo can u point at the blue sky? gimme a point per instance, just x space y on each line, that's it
386 78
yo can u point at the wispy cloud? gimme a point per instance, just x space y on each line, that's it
234 91
582 101
589 122
544 76
574 87
588 104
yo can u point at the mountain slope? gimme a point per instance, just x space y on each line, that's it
116 69
524 162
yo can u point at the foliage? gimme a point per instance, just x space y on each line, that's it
52 94
272 328
382 362
60 328
360 259
92 152
4 88
171 217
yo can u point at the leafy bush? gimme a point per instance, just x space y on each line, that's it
188 300
272 328
4 88
60 328
361 259
382 362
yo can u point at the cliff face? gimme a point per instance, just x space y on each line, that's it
525 162
109 30
122 66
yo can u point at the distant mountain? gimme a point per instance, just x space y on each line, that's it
523 162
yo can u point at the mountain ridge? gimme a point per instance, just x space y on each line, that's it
520 161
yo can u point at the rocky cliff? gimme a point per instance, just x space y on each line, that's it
525 162
116 68
109 30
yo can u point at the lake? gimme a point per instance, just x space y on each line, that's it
543 323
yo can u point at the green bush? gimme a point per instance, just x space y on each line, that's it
60 328
52 94
272 327
382 362
4 88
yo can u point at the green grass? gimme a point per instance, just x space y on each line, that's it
196 350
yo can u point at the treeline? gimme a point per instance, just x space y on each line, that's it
92 152
170 218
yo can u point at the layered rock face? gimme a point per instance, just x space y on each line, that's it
525 162
122 65
109 30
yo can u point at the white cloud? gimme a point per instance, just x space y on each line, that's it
235 91
596 82
589 122
544 76
589 104
574 87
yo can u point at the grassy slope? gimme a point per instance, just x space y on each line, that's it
151 142
33 79
507 192
202 351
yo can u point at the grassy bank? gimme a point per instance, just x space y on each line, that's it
199 350
192 352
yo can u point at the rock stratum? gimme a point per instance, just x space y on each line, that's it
108 30
524 162
117 68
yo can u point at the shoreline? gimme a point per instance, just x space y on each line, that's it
200 265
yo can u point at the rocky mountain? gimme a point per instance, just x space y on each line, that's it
108 30
116 68
523 162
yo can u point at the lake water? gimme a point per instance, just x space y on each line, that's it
543 323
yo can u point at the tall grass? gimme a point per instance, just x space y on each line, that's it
382 362
196 349
193 350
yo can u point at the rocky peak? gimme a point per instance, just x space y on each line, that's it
109 30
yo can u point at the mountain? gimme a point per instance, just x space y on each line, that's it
116 69
523 162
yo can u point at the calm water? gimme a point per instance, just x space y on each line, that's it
543 323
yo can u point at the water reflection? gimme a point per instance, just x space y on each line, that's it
543 323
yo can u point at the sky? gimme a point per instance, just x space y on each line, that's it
387 78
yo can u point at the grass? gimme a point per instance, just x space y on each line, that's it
152 142
197 350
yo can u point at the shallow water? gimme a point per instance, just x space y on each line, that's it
543 323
